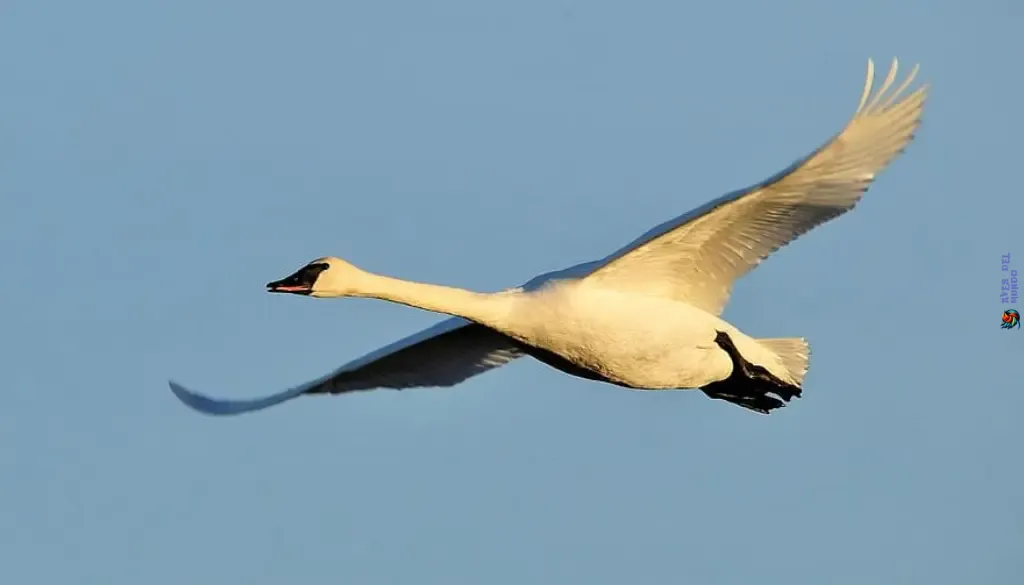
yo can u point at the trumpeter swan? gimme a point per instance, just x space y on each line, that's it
645 317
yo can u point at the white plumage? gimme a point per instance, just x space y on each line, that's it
645 317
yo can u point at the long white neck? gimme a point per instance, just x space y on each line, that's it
491 309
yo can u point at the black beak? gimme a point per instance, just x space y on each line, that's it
300 283
293 284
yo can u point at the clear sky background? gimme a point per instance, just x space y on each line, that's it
160 162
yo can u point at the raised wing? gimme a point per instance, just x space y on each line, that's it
443 355
696 258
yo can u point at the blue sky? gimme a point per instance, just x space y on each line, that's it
162 161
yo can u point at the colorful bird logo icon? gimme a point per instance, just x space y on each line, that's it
1011 319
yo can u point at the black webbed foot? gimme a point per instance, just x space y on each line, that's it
749 385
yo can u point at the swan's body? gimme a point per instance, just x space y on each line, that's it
645 317
631 340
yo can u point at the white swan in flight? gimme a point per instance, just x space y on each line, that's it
645 317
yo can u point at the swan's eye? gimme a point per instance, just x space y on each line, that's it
313 270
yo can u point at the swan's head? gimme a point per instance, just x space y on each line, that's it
323 277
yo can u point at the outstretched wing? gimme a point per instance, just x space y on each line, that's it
443 355
697 257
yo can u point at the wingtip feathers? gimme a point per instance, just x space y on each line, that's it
883 97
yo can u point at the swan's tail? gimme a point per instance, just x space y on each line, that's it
794 352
